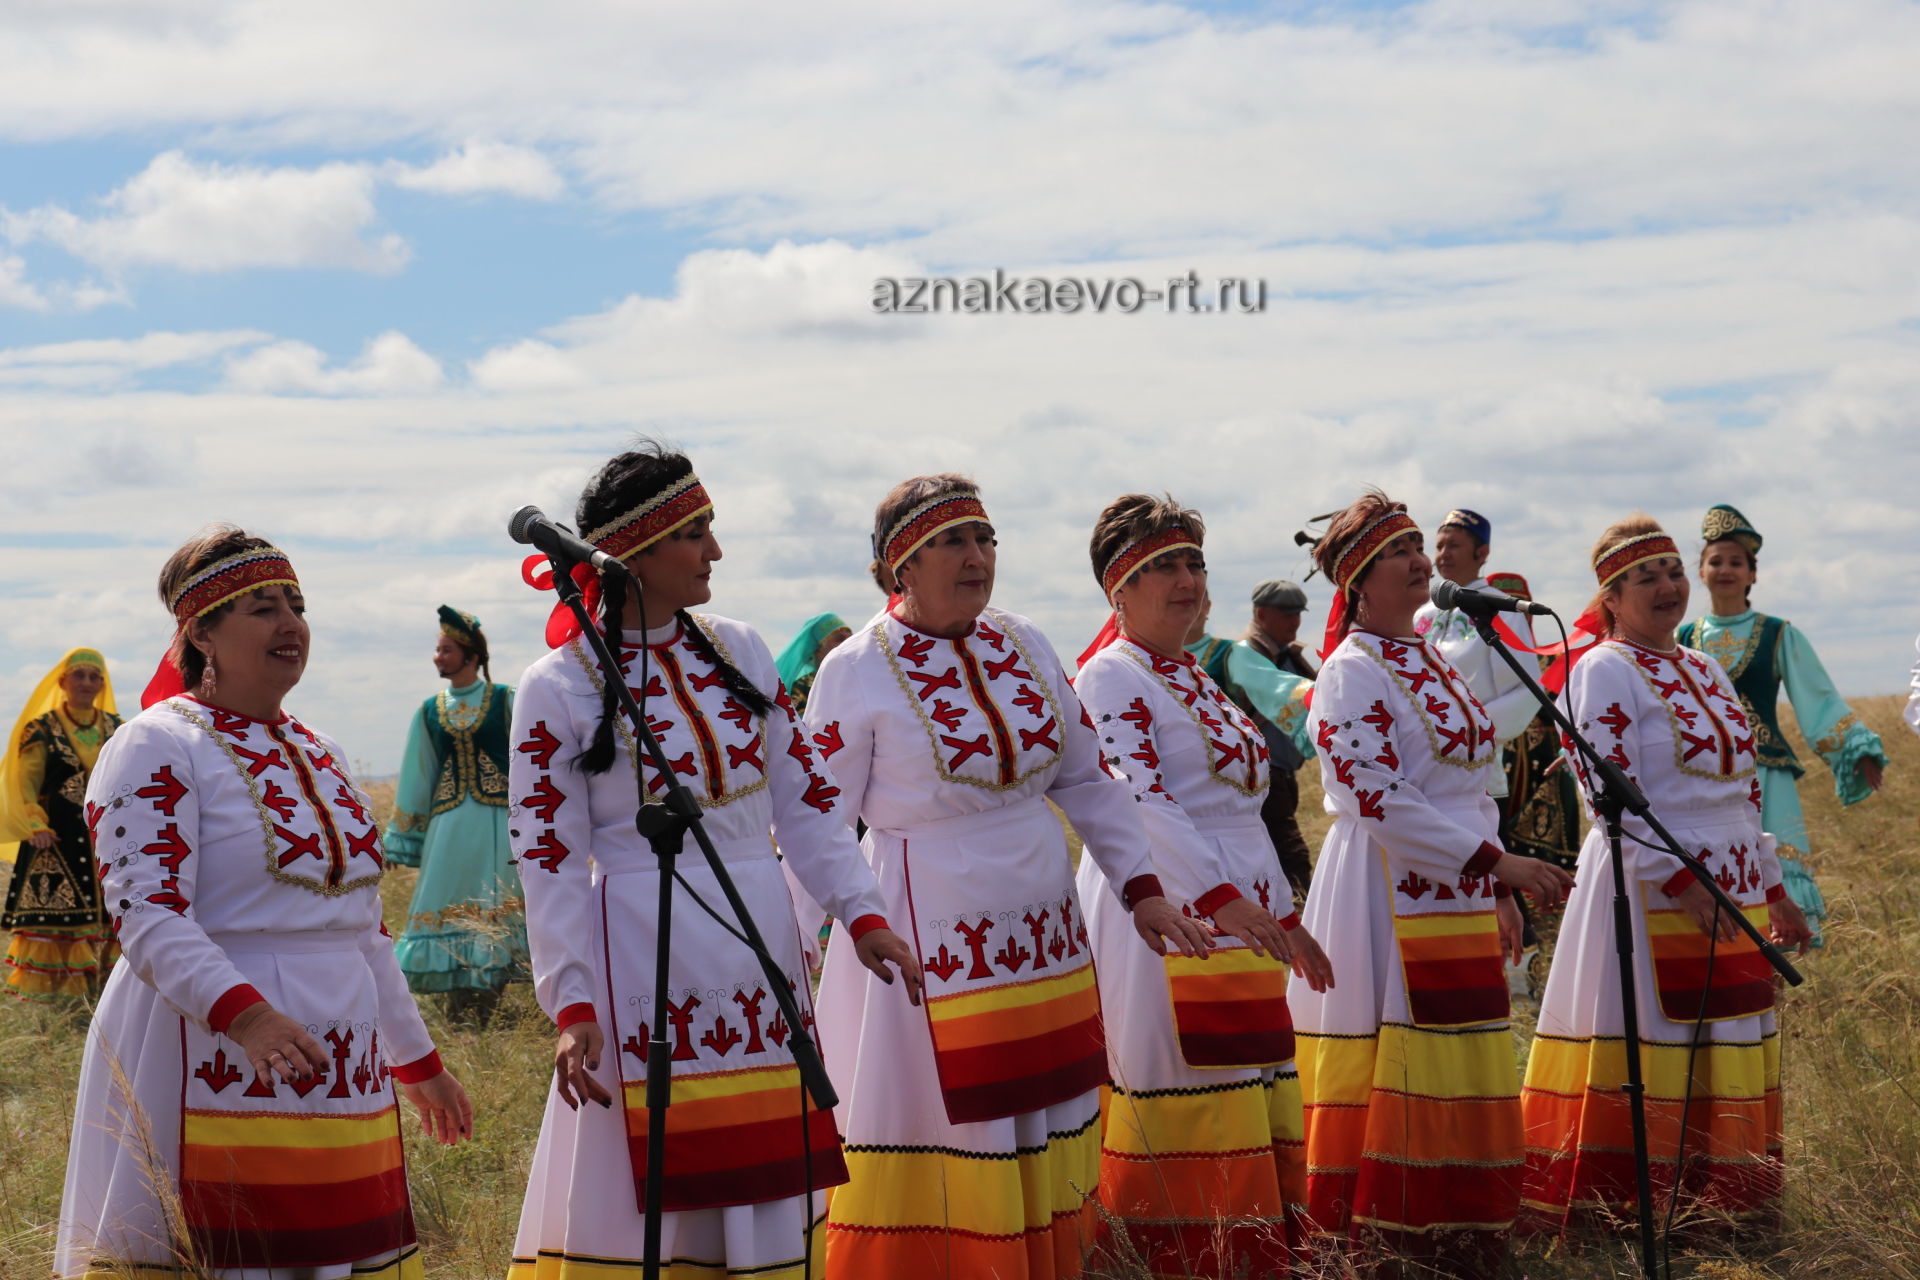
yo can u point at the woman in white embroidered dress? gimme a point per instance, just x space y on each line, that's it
236 1114
745 1167
1201 1156
1406 1069
1671 718
972 1125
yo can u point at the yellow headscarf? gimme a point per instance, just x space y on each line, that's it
46 696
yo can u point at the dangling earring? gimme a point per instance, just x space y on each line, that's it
209 679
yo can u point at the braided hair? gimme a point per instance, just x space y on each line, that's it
625 482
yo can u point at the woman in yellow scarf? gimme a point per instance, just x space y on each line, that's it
59 944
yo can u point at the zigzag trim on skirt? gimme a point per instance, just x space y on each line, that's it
852 1148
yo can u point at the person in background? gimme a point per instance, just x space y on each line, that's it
1460 549
1761 653
1269 676
1912 712
797 663
1208 650
60 947
1709 1048
238 1101
466 929
1413 1132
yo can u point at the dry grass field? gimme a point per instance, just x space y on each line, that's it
1852 1069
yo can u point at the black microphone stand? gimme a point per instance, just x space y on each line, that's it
665 824
1617 797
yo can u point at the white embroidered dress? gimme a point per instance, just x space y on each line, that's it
240 860
738 1159
1674 723
1406 1066
1509 703
1203 1120
971 1125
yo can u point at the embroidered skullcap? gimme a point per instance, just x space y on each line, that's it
1278 593
1511 583
1724 521
1472 521
463 627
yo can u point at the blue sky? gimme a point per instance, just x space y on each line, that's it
368 278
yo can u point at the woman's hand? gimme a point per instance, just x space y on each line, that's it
577 1053
1788 926
1513 928
1254 925
1870 772
276 1045
878 946
445 1113
1545 883
43 839
1697 901
1155 919
1310 963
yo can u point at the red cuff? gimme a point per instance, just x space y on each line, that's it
865 925
1214 899
582 1012
1290 921
229 1006
419 1069
1501 890
1481 863
1139 889
1675 886
1776 893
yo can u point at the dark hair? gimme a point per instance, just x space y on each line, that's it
476 651
1346 526
626 481
1631 527
212 544
1753 561
901 499
1133 516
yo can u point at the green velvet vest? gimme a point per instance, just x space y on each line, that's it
472 744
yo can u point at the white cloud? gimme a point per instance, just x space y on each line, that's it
106 361
389 365
482 167
15 289
198 216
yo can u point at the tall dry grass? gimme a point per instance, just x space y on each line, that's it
1852 1070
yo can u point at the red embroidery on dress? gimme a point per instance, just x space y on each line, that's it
350 802
915 649
1343 770
965 749
1041 737
1616 720
1619 756
279 801
1138 715
166 792
828 739
1007 666
930 684
1417 680
367 845
262 760
1328 731
1370 804
735 714
703 680
820 793
217 1072
995 638
1394 653
298 846
548 851
1696 743
1032 701
749 754
948 715
1461 737
1379 717
1437 709
229 723
544 799
1388 756
539 746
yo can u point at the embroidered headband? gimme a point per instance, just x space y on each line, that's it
1133 557
1639 549
923 522
85 658
1359 553
229 579
627 535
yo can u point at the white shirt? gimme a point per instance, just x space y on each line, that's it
1510 703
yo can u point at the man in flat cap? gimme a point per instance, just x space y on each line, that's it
1270 675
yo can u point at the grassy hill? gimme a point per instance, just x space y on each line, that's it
1852 1073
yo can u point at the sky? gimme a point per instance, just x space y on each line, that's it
365 278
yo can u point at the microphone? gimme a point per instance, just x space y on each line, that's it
1477 602
530 525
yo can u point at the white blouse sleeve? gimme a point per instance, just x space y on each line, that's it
1120 697
551 830
143 801
1366 780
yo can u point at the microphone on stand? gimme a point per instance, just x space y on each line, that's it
1477 602
529 525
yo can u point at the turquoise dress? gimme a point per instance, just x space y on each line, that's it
466 928
1761 653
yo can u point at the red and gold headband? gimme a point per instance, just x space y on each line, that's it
1133 557
631 533
921 524
229 579
1374 535
1638 549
